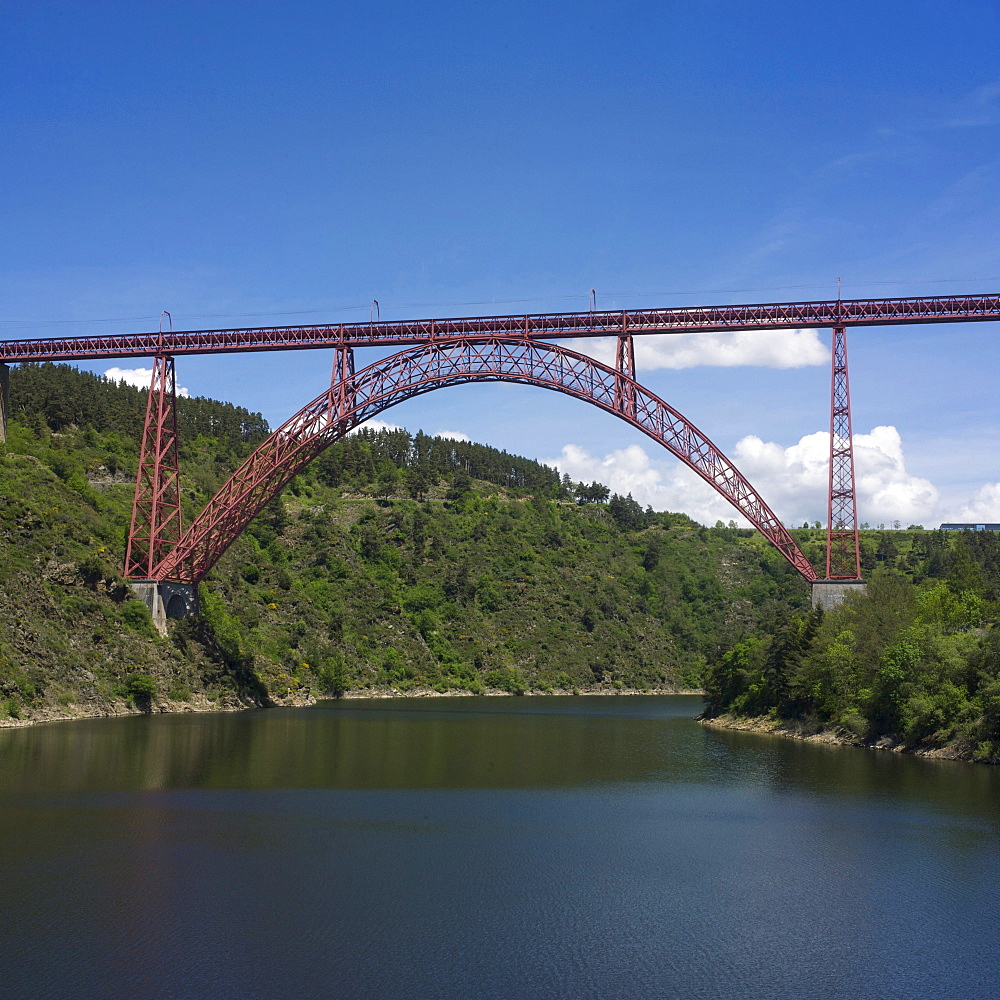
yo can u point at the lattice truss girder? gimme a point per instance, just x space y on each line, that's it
843 552
358 397
625 373
543 326
156 509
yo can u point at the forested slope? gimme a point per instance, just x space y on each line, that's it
915 663
407 562
395 561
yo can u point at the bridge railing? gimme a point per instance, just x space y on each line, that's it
540 326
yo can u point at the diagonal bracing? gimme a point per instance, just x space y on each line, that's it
156 509
434 365
843 553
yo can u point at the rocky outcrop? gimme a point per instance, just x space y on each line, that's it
813 733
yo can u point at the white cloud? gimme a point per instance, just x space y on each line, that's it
375 425
741 348
792 480
381 425
627 470
663 485
139 377
983 506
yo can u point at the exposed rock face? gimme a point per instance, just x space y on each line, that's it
791 729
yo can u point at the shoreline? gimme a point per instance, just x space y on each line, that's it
200 703
375 693
758 725
196 704
788 729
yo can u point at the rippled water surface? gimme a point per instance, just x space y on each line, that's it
467 848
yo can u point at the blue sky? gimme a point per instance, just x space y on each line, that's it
255 163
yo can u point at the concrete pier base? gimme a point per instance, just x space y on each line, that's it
830 594
166 600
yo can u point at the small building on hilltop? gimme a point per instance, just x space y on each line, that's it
970 527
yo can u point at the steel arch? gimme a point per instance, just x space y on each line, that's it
356 397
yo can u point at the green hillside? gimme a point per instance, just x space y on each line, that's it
395 561
915 663
409 562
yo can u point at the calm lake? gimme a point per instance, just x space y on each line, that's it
488 847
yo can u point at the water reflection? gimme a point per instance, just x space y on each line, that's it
857 772
465 743
453 743
524 847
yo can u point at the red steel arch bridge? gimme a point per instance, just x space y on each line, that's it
441 352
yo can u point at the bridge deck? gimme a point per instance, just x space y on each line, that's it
539 326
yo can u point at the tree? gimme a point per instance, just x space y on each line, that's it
333 676
460 485
418 482
388 481
626 512
594 493
736 682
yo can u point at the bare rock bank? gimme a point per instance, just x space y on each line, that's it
800 730
199 702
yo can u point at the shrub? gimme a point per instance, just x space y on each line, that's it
488 594
93 569
140 687
508 679
333 675
136 616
